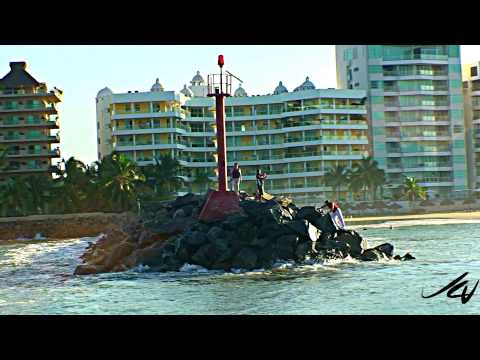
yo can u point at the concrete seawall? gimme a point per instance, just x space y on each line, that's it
67 226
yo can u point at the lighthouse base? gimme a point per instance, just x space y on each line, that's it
219 204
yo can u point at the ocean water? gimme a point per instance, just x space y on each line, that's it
36 278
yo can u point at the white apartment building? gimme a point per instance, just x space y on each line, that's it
294 136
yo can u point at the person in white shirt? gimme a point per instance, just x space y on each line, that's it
335 214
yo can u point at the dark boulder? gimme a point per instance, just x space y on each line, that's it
172 227
285 246
304 229
333 244
194 239
386 248
354 240
266 255
245 259
255 209
145 239
221 244
408 256
290 240
204 256
303 249
119 253
179 213
246 233
88 269
188 199
322 222
273 231
214 233
260 242
234 221
188 210
151 256
372 255
305 213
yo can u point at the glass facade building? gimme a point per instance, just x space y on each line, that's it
416 111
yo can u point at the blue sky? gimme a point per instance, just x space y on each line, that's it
81 71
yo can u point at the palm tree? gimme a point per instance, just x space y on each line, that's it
202 179
412 190
3 158
366 176
15 196
40 188
336 177
70 189
165 174
118 179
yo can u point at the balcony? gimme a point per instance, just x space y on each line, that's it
29 108
40 93
30 138
51 124
55 153
29 169
417 56
396 73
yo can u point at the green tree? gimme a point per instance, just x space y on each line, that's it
3 158
366 177
164 175
336 177
412 190
40 188
15 196
202 179
118 180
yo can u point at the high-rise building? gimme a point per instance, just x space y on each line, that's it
415 108
28 113
471 91
294 136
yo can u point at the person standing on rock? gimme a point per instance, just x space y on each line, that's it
261 176
335 214
236 178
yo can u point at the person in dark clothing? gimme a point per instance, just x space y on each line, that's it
236 176
260 182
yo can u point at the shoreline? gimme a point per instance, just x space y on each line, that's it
459 215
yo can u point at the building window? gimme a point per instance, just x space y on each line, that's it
473 71
458 129
98 141
357 84
137 107
355 69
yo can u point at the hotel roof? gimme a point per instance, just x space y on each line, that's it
18 76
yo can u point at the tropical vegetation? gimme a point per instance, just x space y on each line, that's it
114 184
364 179
412 190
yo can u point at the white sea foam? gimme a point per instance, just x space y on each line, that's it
140 268
192 268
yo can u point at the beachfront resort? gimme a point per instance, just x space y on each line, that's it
410 109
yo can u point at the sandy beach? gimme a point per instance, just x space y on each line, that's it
463 215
